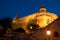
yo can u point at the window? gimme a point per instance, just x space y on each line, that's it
56 34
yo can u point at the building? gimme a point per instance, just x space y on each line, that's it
42 18
50 32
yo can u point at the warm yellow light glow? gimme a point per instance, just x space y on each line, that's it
30 27
48 32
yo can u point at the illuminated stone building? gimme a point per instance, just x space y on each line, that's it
50 32
42 18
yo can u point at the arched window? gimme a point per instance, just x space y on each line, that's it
56 34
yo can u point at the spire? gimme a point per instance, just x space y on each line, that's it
42 5
16 15
42 9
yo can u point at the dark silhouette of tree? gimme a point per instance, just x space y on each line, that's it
6 23
20 30
1 28
0 21
32 28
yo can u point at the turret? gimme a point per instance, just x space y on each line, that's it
16 17
42 9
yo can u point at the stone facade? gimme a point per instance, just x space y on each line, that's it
54 28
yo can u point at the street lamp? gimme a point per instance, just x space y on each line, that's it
31 27
48 33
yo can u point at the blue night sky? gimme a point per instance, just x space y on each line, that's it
9 8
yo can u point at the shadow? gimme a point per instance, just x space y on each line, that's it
20 30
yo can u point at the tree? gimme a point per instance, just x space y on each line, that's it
6 23
20 30
32 26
